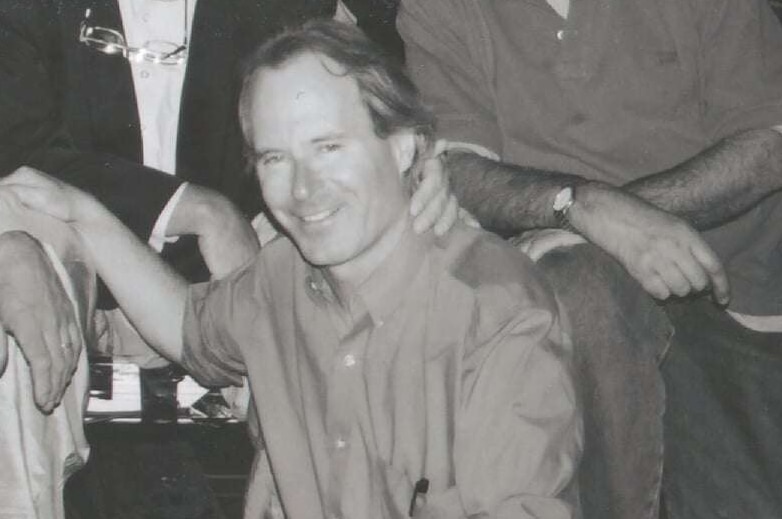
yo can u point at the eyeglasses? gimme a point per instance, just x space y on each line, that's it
110 41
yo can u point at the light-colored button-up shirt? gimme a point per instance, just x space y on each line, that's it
158 88
449 363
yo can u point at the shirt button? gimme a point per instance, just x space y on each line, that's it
144 74
311 283
340 443
380 324
560 34
349 360
145 17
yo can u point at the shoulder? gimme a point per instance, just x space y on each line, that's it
501 282
481 260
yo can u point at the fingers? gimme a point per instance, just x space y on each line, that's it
685 270
70 335
655 286
718 278
38 352
448 217
430 197
61 353
693 268
39 192
39 199
676 282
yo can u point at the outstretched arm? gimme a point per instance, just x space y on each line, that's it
665 254
150 292
710 189
720 183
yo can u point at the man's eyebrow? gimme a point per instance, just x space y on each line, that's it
328 137
256 153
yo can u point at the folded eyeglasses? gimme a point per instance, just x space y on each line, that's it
110 41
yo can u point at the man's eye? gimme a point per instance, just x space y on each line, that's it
270 159
329 147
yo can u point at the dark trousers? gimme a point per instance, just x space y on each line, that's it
723 424
620 335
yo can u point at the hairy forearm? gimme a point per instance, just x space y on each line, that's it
506 198
150 293
720 183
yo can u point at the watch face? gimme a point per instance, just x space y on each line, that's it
563 199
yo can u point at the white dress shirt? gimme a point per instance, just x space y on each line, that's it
158 88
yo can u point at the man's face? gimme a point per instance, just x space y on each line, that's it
329 180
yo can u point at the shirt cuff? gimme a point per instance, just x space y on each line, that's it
158 238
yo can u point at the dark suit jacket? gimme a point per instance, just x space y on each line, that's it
71 111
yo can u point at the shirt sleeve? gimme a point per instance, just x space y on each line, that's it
519 438
158 238
742 83
221 317
451 63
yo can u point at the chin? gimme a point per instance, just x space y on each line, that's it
324 256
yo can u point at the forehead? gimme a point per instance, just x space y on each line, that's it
309 90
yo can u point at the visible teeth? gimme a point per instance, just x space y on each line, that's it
317 217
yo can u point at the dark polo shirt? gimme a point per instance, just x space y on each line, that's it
619 90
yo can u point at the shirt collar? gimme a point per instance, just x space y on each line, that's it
384 290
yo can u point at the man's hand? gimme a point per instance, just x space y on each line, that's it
433 205
36 310
225 237
664 253
41 192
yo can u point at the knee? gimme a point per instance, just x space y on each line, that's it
603 301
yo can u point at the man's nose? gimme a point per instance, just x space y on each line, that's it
305 179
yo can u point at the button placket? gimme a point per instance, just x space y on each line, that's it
349 360
345 389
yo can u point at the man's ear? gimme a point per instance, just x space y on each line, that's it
403 147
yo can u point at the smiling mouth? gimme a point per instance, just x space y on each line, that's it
319 217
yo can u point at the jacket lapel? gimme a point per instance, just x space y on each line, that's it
107 83
208 95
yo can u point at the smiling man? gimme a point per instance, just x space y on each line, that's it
395 374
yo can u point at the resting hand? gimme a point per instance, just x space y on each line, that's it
225 237
536 243
41 192
433 205
664 253
36 310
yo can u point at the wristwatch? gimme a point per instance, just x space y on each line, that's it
563 201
